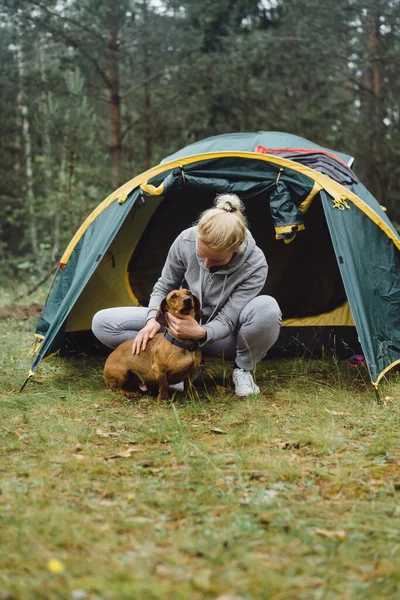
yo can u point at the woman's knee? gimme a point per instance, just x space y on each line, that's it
99 323
271 308
262 309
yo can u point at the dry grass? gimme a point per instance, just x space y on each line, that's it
297 498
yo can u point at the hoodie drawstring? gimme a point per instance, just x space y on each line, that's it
201 296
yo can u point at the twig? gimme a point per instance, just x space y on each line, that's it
37 285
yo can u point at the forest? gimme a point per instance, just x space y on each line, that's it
93 92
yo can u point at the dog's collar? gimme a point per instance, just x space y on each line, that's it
192 346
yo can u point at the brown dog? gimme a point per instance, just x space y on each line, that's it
166 360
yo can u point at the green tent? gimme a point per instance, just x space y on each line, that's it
332 251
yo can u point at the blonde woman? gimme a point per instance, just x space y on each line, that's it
220 263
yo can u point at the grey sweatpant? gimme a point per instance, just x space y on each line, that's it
256 331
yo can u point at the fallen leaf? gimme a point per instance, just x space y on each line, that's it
123 454
107 496
78 594
163 571
256 476
390 459
55 566
375 482
146 464
245 500
338 413
315 582
217 430
78 456
288 444
222 389
202 580
105 434
269 496
106 502
340 534
21 434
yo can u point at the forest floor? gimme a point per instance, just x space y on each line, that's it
292 495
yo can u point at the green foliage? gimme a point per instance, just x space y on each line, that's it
181 71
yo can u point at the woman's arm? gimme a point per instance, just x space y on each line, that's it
225 321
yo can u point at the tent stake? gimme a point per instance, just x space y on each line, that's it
24 384
31 373
377 396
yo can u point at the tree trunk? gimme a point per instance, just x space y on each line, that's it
113 92
26 136
373 172
46 144
146 90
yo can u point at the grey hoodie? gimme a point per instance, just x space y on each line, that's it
223 294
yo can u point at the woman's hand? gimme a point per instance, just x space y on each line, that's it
151 328
185 327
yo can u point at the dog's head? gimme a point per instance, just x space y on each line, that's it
179 302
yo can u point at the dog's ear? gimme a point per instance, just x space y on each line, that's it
197 309
160 316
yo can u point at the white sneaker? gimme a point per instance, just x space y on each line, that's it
244 383
180 387
177 387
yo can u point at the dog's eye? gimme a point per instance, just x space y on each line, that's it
173 297
188 293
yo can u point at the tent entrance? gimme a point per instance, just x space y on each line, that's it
303 276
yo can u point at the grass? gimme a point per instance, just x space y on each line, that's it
292 495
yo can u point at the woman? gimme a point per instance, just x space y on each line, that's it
220 263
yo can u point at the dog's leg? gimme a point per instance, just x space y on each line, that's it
121 380
115 379
162 381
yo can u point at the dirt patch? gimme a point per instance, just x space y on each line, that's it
20 311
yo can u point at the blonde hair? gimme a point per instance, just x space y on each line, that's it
224 226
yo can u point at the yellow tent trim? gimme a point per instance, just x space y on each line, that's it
289 228
305 205
52 354
39 340
339 317
336 190
383 373
129 289
152 190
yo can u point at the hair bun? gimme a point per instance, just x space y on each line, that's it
229 202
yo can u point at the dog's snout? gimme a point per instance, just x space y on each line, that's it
187 301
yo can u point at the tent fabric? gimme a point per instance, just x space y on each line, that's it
84 260
320 160
117 254
371 281
248 142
